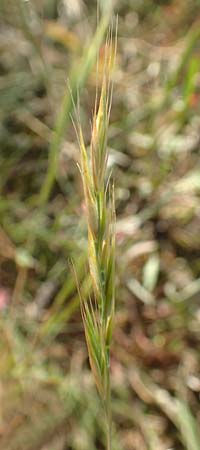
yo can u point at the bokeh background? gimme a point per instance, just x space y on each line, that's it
48 400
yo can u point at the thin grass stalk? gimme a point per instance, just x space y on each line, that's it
77 79
109 415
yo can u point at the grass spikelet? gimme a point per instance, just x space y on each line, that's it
98 313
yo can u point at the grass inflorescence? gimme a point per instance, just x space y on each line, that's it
98 312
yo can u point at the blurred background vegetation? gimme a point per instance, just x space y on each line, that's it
48 400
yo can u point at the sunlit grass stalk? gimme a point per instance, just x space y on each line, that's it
77 78
98 311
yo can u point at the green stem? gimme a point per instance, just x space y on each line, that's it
108 414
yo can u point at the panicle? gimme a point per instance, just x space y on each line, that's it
98 312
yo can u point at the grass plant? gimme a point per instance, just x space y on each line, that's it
98 311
